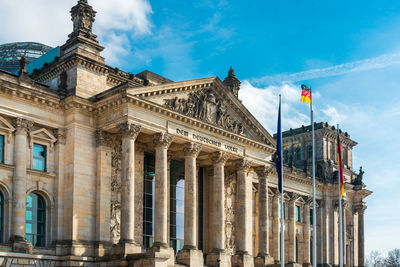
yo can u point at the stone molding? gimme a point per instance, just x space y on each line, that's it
359 208
219 158
129 130
103 138
163 140
192 149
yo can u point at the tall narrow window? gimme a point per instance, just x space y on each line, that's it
311 217
1 216
39 157
200 208
311 250
35 220
148 201
177 204
297 250
309 152
1 148
298 154
298 214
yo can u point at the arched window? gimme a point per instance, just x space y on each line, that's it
1 216
35 220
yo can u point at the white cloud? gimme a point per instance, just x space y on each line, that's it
333 116
378 62
49 22
263 104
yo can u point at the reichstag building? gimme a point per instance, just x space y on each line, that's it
100 167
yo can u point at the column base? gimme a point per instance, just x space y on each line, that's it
263 260
127 247
191 257
163 249
218 258
242 259
150 259
20 244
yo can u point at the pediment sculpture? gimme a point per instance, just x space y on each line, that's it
206 106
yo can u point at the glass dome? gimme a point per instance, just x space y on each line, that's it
11 53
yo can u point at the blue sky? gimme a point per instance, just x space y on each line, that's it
348 51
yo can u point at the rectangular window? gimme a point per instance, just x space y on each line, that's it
311 216
39 157
298 214
148 200
1 148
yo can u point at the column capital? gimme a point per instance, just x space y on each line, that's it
129 130
263 171
243 165
22 125
60 134
360 208
219 158
103 138
163 140
192 149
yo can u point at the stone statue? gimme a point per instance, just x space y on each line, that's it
206 106
359 178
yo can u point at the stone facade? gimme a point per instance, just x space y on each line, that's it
99 125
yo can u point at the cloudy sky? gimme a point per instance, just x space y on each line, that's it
348 51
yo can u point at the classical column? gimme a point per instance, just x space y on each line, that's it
325 220
59 230
344 230
244 213
306 232
263 257
129 133
361 248
218 212
189 255
22 128
103 189
276 246
162 142
292 229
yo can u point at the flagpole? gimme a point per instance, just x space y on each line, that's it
281 189
340 214
313 178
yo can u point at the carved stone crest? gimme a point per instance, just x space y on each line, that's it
206 106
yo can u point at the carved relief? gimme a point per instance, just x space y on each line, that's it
230 194
204 105
116 188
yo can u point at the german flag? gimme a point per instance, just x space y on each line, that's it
340 164
305 94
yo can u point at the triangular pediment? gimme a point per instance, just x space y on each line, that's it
44 135
5 125
209 101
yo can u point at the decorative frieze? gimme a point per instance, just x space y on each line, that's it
206 106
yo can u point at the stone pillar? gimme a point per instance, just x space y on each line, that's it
263 258
276 234
306 233
218 257
292 229
129 133
244 212
325 221
189 255
20 244
361 247
162 142
344 230
59 230
103 189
